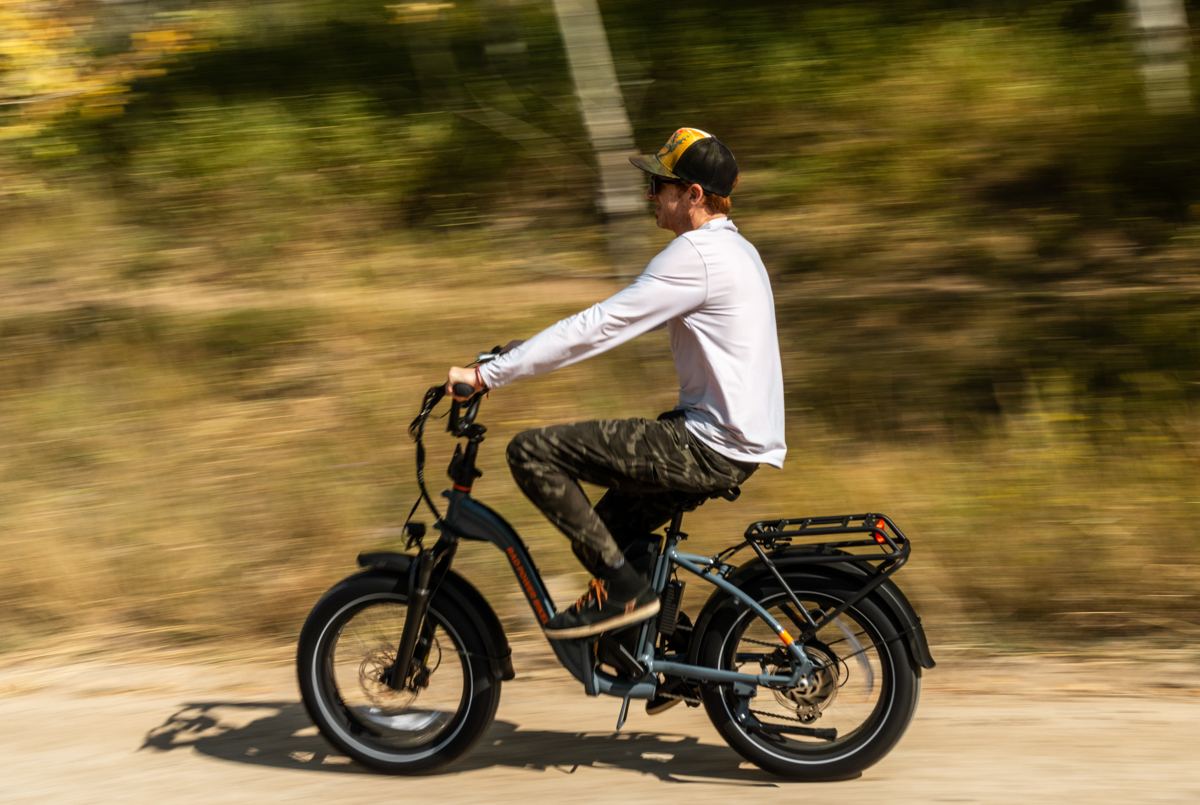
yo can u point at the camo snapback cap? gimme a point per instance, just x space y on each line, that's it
695 156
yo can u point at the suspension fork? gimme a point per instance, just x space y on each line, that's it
425 576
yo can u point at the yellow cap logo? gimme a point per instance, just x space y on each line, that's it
680 141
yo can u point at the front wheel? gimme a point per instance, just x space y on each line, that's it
865 688
346 647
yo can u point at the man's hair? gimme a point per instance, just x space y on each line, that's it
719 205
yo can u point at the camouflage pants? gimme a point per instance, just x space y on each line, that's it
648 466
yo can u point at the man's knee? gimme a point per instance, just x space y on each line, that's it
526 461
520 449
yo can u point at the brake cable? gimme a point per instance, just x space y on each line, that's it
417 431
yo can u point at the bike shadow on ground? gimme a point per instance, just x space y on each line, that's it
280 735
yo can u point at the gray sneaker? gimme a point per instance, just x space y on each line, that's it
595 613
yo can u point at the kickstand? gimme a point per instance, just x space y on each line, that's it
623 714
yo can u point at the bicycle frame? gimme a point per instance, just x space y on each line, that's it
467 518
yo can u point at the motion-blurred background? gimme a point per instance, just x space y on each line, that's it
238 241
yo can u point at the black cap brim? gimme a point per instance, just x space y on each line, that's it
650 164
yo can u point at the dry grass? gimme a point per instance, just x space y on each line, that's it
192 463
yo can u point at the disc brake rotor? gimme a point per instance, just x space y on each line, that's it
370 680
377 662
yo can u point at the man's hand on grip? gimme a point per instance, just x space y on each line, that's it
458 374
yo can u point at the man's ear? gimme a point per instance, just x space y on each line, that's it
695 193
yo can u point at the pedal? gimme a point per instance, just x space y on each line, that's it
668 612
612 652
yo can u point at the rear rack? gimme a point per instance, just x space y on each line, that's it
770 533
776 535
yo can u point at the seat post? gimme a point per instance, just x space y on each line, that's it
673 531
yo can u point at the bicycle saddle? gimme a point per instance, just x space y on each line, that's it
691 502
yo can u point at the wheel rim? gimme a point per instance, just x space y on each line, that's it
380 722
851 692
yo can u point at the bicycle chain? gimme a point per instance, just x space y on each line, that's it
690 700
681 698
776 715
760 712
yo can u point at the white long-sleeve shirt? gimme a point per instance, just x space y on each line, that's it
710 288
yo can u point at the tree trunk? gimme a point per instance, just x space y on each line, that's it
1165 46
608 128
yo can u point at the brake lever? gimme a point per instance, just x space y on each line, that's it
485 357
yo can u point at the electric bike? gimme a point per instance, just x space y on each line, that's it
806 656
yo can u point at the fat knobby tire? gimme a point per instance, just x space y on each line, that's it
321 699
813 761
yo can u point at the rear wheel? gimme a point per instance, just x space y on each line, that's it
348 643
864 688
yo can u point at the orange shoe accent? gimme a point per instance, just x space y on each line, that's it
595 592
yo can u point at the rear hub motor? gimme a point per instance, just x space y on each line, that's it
809 699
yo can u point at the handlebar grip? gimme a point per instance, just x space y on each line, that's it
463 390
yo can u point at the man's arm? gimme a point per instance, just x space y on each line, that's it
674 283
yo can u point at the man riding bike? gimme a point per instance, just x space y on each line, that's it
710 289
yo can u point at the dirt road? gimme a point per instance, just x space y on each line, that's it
1027 730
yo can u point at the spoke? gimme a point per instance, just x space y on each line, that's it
863 650
364 632
362 646
404 718
844 639
838 696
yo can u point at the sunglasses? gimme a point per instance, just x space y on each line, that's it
657 183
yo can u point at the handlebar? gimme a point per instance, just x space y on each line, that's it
469 395
465 391
460 420
462 423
